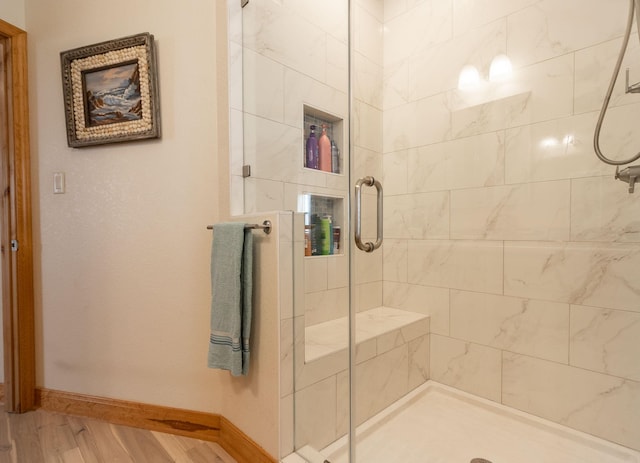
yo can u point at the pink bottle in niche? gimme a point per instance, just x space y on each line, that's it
324 150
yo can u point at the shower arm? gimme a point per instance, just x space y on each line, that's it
635 88
630 174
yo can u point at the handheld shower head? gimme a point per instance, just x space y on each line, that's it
633 4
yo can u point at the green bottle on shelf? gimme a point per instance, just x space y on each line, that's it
326 243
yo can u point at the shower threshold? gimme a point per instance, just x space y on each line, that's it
439 424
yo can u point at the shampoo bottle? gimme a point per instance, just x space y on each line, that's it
324 150
335 158
311 154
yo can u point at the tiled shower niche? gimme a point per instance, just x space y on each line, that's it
323 221
334 128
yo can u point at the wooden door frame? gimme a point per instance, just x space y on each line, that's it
18 288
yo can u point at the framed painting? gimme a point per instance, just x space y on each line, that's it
110 91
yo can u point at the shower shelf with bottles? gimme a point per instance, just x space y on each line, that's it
323 141
324 213
323 225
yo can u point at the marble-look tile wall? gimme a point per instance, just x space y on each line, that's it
500 221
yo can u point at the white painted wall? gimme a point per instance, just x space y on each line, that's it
122 284
13 12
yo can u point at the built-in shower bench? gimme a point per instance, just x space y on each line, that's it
378 330
391 356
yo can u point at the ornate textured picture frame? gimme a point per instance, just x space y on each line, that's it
111 92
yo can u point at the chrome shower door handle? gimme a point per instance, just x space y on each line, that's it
369 246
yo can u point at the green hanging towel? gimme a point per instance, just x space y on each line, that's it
231 292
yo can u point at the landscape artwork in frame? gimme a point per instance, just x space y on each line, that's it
113 94
110 92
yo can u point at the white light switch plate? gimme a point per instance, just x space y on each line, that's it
58 183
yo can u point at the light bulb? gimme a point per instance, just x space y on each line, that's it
469 77
500 69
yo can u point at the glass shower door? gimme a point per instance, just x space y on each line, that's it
390 323
296 156
300 68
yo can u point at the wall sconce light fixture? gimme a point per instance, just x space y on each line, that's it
469 77
499 71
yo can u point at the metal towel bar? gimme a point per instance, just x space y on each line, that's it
265 226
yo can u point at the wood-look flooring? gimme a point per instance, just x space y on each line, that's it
41 436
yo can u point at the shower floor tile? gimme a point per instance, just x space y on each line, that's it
439 424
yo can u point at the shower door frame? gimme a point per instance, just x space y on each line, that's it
352 249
